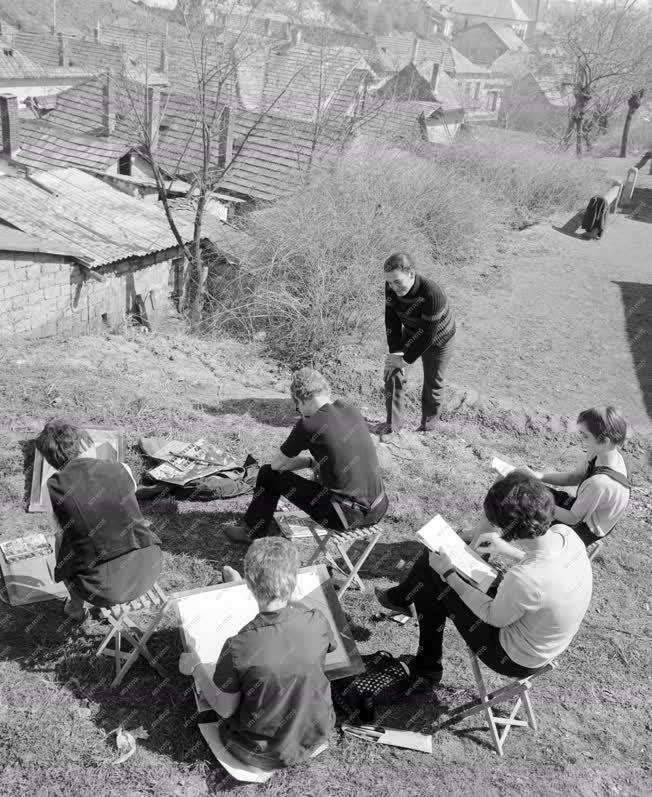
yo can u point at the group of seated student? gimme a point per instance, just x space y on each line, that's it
269 683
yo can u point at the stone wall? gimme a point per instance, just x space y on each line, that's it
41 294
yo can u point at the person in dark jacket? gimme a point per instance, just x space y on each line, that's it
419 323
107 553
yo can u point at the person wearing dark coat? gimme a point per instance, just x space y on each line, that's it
107 553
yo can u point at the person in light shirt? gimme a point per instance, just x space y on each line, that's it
528 617
602 478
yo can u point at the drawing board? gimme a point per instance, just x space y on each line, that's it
108 444
209 616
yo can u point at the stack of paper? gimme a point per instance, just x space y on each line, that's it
298 528
392 736
440 538
501 467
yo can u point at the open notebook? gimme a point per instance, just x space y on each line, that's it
438 536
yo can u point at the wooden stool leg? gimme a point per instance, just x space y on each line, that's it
354 569
484 700
527 704
322 544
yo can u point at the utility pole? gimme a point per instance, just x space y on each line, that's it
54 16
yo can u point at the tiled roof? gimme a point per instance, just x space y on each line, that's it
465 67
397 51
13 63
275 156
395 121
44 146
43 49
296 81
497 9
72 208
507 36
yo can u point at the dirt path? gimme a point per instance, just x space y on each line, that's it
570 325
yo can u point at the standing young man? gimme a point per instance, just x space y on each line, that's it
419 323
349 492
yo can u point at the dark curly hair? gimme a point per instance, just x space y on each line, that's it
61 441
520 505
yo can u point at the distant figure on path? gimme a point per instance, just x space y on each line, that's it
348 490
419 323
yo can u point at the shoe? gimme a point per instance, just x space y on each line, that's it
238 532
79 616
423 678
381 597
425 428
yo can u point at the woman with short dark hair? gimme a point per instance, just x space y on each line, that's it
528 617
602 478
107 553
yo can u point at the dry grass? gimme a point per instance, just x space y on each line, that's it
56 707
315 273
527 178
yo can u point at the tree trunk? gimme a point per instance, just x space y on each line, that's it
633 103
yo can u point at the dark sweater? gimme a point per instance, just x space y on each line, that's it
95 504
418 320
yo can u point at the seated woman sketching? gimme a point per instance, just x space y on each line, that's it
107 553
602 478
269 682
532 614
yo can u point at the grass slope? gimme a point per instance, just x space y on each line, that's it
56 707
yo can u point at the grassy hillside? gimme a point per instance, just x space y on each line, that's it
57 709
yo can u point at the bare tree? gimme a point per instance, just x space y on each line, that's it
608 50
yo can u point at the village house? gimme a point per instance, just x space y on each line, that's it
485 42
77 256
537 105
473 12
440 18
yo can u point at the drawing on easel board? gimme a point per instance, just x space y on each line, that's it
209 616
108 445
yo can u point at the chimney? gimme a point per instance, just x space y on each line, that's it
163 65
434 78
108 105
415 49
97 34
152 115
296 34
10 124
226 139
64 55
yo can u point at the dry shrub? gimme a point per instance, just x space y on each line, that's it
528 178
314 278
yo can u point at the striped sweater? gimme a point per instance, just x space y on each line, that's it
418 320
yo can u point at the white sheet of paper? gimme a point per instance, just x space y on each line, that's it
439 536
502 467
210 618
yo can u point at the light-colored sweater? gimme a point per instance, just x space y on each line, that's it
601 501
540 602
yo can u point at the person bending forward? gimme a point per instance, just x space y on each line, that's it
348 491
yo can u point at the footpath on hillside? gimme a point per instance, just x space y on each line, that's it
567 322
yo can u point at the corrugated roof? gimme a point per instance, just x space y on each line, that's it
496 9
44 146
397 51
72 208
276 156
12 240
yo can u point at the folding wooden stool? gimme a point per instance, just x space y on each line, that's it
518 689
123 626
343 540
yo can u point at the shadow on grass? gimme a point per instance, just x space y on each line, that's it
637 306
270 412
572 226
641 205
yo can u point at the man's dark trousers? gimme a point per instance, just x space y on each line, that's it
435 361
313 498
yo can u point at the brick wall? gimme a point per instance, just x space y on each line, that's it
42 294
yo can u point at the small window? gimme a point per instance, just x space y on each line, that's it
8 51
124 165
476 93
